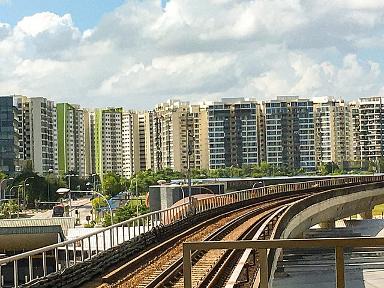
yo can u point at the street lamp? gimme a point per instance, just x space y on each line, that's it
137 196
63 191
69 179
48 191
18 195
190 149
24 185
209 190
260 182
94 181
182 190
1 186
14 186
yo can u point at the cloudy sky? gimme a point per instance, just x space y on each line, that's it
137 53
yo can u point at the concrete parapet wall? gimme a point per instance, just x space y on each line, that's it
326 206
331 205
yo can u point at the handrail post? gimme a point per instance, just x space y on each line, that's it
263 268
15 274
340 281
187 266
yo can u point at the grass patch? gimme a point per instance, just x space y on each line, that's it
134 202
378 210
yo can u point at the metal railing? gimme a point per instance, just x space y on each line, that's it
264 245
68 253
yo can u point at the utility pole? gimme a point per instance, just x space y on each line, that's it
189 153
137 198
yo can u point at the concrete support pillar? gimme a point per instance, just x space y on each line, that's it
280 267
330 224
366 214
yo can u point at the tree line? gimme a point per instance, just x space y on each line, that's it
42 188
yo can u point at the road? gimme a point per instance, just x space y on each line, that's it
82 205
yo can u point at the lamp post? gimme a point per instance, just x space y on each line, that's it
48 191
10 190
190 143
137 197
94 180
24 185
18 196
63 191
182 190
209 190
69 179
260 182
21 186
1 186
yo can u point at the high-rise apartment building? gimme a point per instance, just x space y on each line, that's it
73 138
133 143
371 110
9 136
149 140
290 139
200 146
37 131
108 141
332 131
233 133
354 138
178 129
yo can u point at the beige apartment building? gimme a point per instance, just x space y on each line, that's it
332 131
133 143
149 140
179 127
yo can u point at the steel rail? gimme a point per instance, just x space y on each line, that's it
175 269
242 263
219 271
163 246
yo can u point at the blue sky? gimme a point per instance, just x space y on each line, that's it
85 13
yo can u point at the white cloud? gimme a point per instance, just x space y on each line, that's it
5 29
140 54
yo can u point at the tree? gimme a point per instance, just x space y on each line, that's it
98 202
112 184
9 208
125 213
147 178
2 175
371 167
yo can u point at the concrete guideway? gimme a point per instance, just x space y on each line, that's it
319 208
362 268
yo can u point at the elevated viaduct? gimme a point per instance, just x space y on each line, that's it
71 263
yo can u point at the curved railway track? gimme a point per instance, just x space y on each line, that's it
162 267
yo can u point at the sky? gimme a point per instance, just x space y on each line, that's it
137 53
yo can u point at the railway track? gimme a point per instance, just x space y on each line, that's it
214 268
164 269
